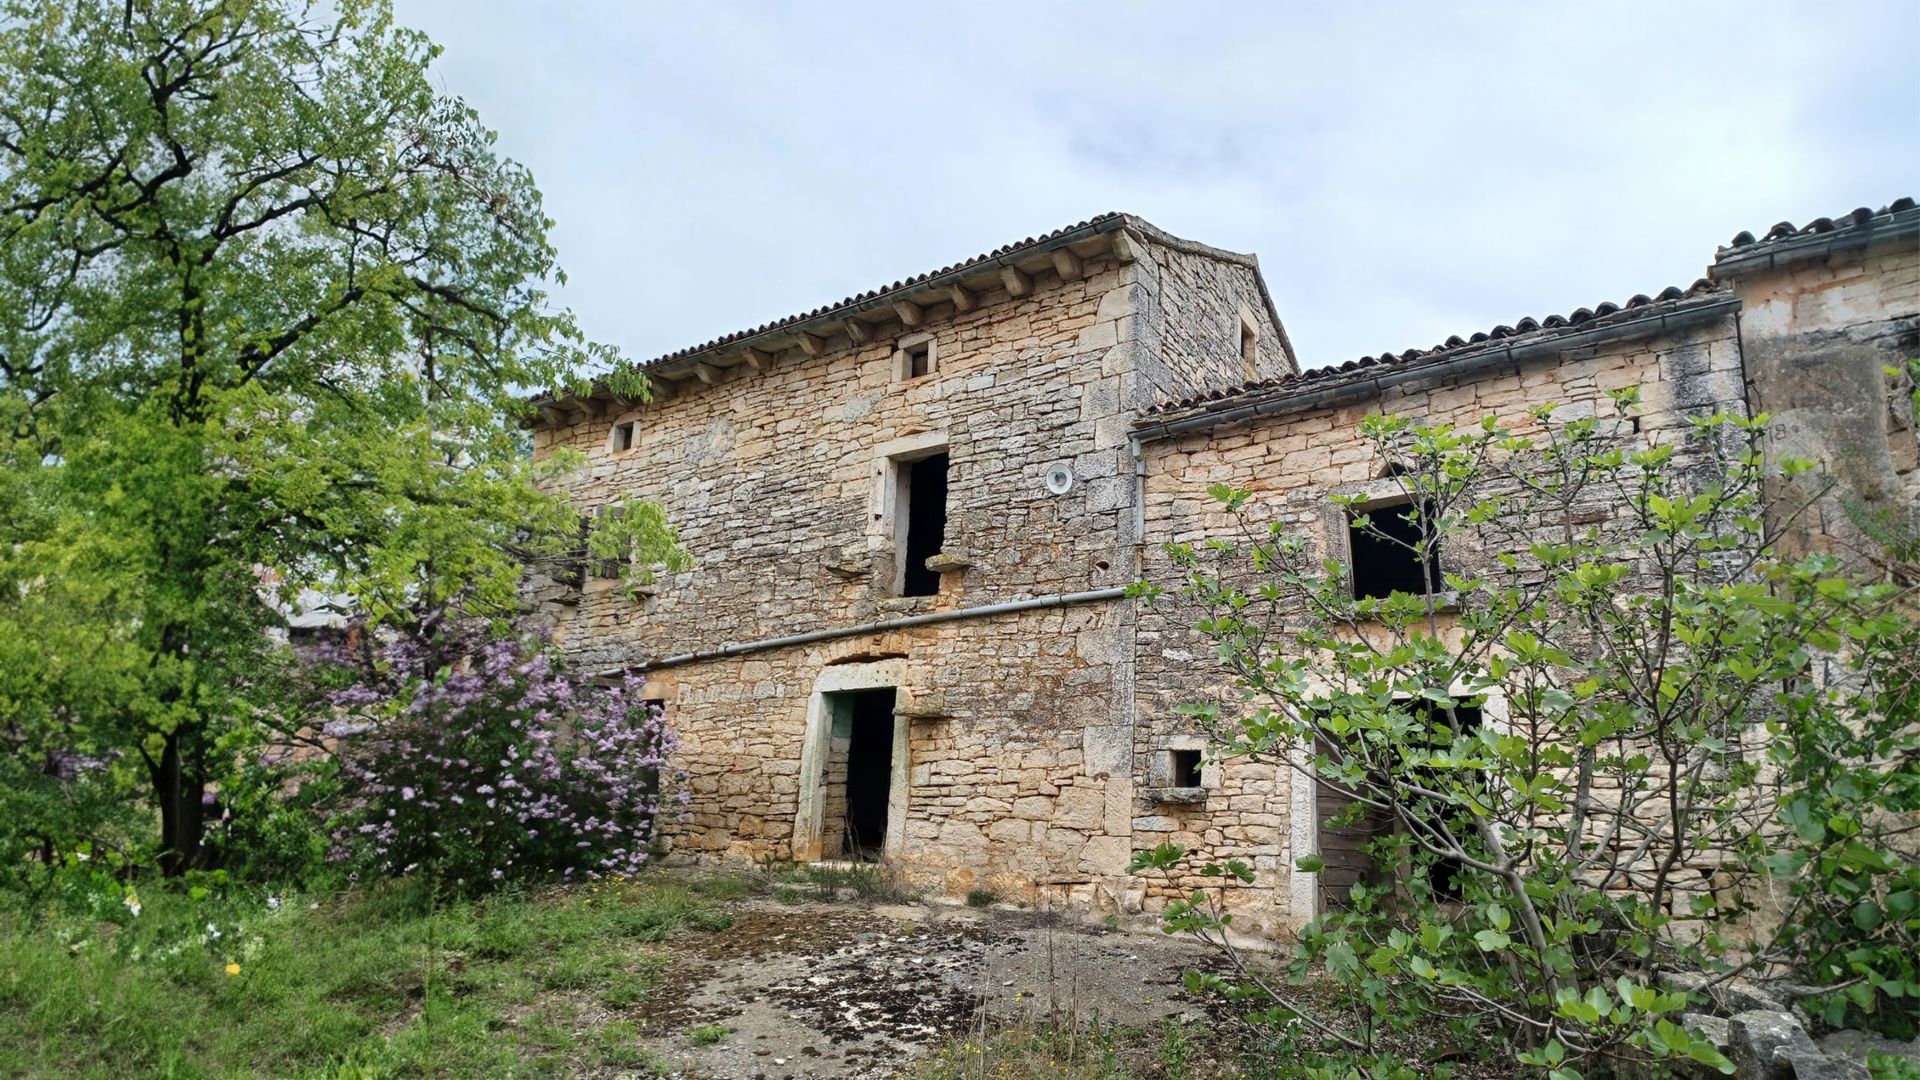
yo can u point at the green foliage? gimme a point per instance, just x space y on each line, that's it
1693 756
268 304
381 985
982 897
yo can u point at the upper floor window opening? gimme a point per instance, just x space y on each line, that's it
917 357
1385 551
919 521
1249 345
623 436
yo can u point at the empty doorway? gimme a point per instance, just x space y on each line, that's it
859 774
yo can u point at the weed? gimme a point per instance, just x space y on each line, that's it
708 1034
1176 1047
980 896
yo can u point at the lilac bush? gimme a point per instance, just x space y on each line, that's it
476 759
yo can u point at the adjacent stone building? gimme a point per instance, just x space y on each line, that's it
911 515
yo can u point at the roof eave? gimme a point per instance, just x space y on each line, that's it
1308 393
1765 255
784 334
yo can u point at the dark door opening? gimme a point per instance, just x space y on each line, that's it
1345 832
869 773
925 484
1444 875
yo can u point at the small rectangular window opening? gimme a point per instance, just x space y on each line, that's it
1384 557
1186 768
916 360
623 436
920 516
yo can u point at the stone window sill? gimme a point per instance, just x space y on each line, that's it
1185 795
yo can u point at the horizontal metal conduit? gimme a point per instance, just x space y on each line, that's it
926 619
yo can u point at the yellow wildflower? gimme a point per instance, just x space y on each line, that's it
233 969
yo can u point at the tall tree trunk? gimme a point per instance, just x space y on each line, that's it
179 790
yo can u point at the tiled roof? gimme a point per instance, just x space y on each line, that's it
1526 331
1786 230
1103 223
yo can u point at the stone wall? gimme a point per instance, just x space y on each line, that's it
777 481
1192 301
1018 727
1006 789
1293 461
1818 335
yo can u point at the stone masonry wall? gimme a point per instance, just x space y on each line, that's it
1005 789
1818 335
1191 305
776 481
1020 747
1293 463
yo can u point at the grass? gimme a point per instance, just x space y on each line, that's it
708 1034
792 884
1089 1052
377 985
980 897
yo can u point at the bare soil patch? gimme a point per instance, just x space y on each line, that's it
853 991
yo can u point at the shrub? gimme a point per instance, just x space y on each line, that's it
1689 728
476 760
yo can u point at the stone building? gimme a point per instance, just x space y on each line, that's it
912 513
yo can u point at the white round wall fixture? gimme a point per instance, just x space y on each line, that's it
1059 478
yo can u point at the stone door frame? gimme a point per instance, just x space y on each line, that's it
1303 889
808 840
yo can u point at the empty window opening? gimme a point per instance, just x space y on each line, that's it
917 358
607 563
1249 347
1184 768
859 774
1385 556
920 516
622 438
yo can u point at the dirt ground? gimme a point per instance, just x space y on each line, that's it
850 991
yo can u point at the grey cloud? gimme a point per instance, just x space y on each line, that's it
1404 171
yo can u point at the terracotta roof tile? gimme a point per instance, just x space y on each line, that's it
1786 230
1639 307
1102 223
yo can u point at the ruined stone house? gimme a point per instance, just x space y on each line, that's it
912 513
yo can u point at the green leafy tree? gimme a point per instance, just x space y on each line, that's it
268 302
1611 739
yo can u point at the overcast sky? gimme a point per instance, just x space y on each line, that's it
1404 172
